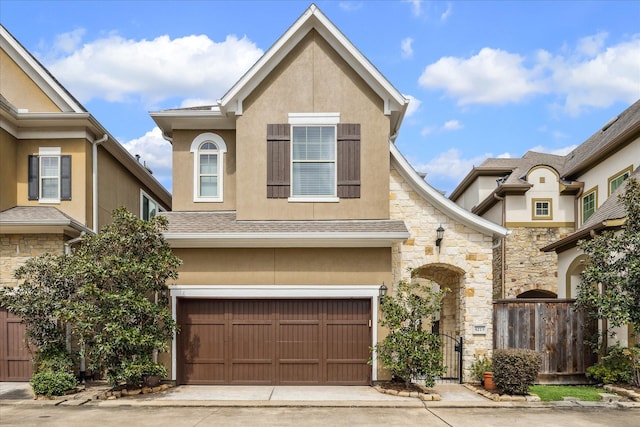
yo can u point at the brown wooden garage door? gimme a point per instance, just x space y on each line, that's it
15 360
274 342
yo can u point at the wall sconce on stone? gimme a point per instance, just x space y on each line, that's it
439 236
382 292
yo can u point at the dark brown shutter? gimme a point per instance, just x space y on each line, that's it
349 160
278 160
34 178
65 177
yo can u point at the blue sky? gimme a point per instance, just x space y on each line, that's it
486 78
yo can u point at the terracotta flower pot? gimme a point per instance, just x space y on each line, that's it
488 381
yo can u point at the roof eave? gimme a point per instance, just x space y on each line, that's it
441 202
476 172
290 240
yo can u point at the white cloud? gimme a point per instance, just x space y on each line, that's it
197 102
452 125
119 69
350 5
156 152
416 7
493 76
591 75
407 49
448 126
414 105
68 42
563 151
445 15
451 164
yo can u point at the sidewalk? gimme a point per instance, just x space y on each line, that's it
451 395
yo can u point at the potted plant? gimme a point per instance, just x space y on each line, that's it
480 365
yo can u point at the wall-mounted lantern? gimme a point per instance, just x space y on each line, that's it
382 292
439 236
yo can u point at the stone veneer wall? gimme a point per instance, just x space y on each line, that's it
526 267
464 264
16 249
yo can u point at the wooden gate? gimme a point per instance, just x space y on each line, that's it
15 360
552 327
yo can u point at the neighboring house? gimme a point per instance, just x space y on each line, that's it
292 208
549 203
61 175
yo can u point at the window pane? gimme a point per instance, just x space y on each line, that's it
208 163
145 208
49 166
313 179
619 180
588 206
208 186
208 146
542 209
50 188
313 143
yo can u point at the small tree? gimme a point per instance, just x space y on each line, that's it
122 310
610 285
410 350
47 286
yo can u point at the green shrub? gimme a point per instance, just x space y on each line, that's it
515 370
54 361
52 383
617 366
133 372
479 366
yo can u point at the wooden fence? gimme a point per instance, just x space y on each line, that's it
553 328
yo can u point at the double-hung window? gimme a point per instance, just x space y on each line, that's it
313 161
207 150
49 176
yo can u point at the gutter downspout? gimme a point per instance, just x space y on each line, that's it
503 243
94 155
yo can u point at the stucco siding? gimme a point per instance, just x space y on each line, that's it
312 79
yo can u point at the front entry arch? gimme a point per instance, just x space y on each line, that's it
449 323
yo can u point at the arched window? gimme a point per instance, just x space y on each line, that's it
208 164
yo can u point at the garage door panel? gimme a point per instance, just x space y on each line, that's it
293 372
347 373
299 342
251 341
348 341
202 342
203 372
252 372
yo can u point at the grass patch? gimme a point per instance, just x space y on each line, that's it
549 393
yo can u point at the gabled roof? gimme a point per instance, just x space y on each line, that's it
439 201
231 103
72 117
611 214
222 229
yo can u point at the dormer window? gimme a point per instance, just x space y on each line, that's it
208 150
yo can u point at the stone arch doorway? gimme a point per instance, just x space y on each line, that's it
449 322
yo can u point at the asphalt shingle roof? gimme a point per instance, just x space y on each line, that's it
226 222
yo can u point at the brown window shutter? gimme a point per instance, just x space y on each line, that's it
278 159
349 160
34 178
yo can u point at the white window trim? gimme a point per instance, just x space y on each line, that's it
49 152
144 194
222 149
315 119
277 292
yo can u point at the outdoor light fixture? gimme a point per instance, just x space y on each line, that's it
382 292
439 236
